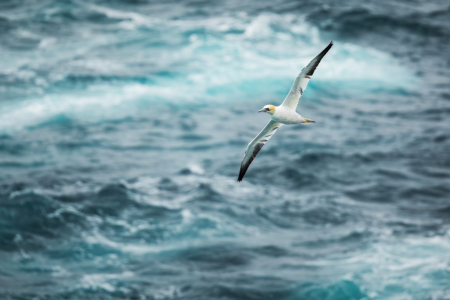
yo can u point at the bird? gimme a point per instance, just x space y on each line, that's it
282 114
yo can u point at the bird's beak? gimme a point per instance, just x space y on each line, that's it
263 110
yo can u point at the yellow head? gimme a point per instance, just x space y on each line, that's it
268 109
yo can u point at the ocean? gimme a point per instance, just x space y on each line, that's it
123 125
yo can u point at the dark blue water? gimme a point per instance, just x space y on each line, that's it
123 125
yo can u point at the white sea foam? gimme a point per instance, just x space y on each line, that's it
209 69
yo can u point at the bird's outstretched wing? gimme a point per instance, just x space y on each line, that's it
302 80
255 145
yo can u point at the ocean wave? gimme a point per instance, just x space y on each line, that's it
210 61
123 125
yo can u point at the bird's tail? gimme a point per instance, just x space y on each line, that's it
307 121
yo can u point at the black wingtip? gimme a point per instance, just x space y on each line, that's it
318 58
322 54
241 175
243 170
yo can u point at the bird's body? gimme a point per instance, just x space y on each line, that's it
286 115
282 114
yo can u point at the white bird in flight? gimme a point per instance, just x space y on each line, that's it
283 114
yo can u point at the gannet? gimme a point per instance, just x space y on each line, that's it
283 114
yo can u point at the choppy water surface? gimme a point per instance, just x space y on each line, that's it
123 124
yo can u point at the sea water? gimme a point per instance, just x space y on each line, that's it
123 125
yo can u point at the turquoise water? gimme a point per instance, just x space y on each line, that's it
123 125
